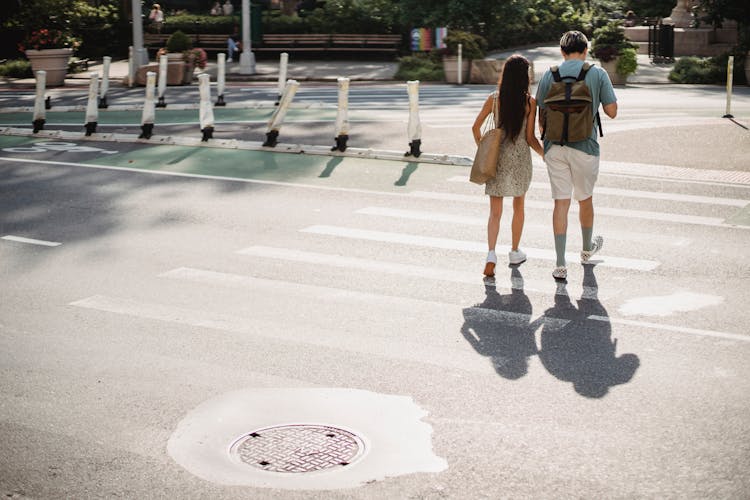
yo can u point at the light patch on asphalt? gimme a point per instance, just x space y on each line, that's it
666 305
396 440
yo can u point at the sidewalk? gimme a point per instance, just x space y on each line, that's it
370 71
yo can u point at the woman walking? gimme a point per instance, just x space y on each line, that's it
516 115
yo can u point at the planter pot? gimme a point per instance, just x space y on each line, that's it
53 61
611 68
450 67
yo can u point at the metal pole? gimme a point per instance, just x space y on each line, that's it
92 111
460 50
247 58
342 116
40 112
415 127
274 124
140 53
283 63
131 66
730 76
162 81
221 78
206 109
105 83
149 109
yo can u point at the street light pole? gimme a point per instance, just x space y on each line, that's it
247 58
140 55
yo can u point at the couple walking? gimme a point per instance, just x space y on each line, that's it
573 167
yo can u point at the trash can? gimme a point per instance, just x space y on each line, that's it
666 41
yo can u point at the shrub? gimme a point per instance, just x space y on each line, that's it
179 42
423 67
696 70
472 46
609 41
18 68
192 23
627 62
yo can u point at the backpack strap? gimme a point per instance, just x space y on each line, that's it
555 70
585 69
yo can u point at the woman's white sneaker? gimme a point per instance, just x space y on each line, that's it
516 257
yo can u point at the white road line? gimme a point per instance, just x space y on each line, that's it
31 241
433 273
631 193
469 246
615 212
466 220
672 328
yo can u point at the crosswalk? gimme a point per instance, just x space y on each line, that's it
271 280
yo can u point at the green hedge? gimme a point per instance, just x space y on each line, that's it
192 23
18 68
708 70
422 67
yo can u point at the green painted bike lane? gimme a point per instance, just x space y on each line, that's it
231 164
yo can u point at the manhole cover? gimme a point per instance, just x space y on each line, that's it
298 448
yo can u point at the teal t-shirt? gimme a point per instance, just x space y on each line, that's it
601 90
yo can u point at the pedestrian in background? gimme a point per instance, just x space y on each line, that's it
228 8
573 167
516 116
234 45
157 17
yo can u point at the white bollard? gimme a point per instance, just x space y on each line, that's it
131 67
162 81
342 116
92 111
274 124
460 54
106 62
149 108
414 128
221 78
206 108
283 64
730 77
40 112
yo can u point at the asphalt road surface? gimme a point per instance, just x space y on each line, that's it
165 310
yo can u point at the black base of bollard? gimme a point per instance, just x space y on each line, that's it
728 116
90 128
340 143
208 133
38 125
278 100
48 103
414 148
103 103
271 139
160 103
220 101
147 130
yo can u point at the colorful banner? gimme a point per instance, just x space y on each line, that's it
421 39
440 34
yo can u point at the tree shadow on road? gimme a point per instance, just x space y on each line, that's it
580 349
501 328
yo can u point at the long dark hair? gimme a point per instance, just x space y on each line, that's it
514 91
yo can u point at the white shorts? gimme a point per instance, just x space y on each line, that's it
571 171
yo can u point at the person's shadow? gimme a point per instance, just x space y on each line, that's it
501 328
579 348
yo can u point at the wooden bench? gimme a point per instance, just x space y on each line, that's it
293 42
206 41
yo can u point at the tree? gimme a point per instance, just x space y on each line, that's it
735 10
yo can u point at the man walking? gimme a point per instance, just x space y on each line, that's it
573 166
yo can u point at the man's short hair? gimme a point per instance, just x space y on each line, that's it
574 41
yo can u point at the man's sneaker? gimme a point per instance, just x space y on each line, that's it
560 273
516 257
596 244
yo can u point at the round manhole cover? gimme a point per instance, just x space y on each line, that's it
298 448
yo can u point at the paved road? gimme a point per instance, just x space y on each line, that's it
160 313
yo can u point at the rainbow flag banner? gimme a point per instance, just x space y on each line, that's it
440 34
421 39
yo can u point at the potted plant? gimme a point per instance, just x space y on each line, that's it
472 47
178 44
617 55
50 50
194 58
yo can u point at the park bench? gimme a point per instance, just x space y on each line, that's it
207 41
294 42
